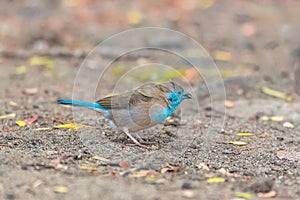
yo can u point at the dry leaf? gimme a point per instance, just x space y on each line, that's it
30 91
229 104
270 194
222 55
143 173
243 195
277 118
21 70
88 168
41 61
12 103
101 159
27 121
244 134
215 180
72 126
155 178
31 120
277 94
238 143
60 189
123 164
134 17
43 129
11 115
205 3
20 123
264 118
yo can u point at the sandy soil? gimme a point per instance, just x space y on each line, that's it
100 163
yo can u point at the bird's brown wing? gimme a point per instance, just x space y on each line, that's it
125 100
144 93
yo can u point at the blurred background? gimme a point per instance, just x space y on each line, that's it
244 37
256 32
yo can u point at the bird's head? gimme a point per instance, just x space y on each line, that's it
177 94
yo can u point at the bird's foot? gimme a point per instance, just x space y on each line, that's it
126 131
142 141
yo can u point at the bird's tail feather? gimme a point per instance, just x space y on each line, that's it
84 104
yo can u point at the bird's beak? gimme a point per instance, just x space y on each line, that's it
187 95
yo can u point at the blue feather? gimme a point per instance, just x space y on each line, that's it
83 104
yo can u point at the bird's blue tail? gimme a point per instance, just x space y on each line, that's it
84 104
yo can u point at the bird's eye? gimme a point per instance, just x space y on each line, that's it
179 92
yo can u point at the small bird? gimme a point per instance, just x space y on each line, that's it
144 107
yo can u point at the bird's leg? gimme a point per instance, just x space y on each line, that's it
141 140
126 131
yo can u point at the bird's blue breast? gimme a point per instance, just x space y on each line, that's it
159 115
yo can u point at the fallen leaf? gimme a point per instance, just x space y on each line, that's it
123 164
270 194
27 121
170 168
60 189
11 115
143 173
41 61
101 159
228 104
222 55
277 118
264 118
293 156
155 178
12 103
21 70
215 180
205 3
20 123
72 126
243 195
238 143
30 91
277 94
43 129
244 134
88 168
31 120
134 17
288 125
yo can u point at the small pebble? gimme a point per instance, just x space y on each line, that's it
288 125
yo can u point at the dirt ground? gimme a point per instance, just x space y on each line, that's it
194 156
